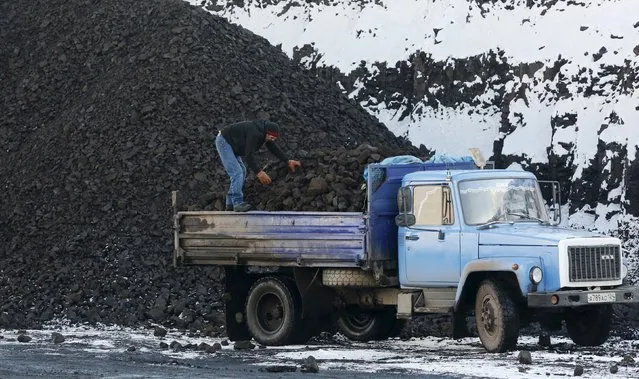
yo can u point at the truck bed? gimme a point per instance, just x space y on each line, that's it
309 239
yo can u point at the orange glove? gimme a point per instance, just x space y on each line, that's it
292 165
263 178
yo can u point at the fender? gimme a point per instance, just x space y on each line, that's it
503 264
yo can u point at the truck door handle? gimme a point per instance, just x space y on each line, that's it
412 238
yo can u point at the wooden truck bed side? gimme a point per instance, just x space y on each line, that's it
299 239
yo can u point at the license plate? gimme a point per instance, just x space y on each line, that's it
604 297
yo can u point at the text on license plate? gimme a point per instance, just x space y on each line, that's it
604 297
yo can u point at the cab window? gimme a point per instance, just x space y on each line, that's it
433 205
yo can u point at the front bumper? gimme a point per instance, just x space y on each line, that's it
577 298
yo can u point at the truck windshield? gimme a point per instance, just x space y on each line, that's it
501 200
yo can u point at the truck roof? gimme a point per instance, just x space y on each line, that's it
457 175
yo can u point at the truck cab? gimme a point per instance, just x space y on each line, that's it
487 236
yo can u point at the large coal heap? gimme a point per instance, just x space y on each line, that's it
108 106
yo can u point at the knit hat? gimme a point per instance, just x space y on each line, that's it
272 129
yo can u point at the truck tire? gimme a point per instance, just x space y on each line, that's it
360 325
391 326
346 277
272 312
589 326
497 317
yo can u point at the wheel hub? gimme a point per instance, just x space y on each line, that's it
270 313
488 315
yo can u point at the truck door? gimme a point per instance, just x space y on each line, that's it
432 245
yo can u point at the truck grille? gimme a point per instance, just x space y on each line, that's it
594 263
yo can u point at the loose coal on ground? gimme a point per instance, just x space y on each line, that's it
106 107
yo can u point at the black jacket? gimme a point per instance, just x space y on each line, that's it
247 137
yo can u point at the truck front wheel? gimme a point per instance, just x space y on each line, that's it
589 326
271 312
496 317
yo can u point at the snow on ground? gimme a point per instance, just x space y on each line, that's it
466 357
430 355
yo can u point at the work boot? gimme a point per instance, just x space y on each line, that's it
229 208
241 207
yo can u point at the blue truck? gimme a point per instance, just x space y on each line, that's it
434 238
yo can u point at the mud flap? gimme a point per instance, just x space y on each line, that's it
317 302
236 286
405 306
460 326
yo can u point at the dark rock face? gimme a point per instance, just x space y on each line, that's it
106 108
404 88
420 82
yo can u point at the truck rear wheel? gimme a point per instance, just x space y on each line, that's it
272 312
589 326
496 317
391 325
360 325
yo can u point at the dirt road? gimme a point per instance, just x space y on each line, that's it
89 352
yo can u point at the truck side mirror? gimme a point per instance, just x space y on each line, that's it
554 206
555 215
405 219
405 207
404 200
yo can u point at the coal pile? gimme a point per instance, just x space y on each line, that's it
329 180
106 107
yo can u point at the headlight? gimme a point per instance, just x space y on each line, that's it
624 270
536 275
